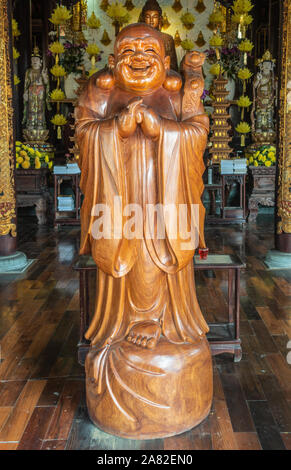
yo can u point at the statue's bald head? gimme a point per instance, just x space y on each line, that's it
139 61
139 30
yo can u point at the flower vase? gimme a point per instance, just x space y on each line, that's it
230 87
71 86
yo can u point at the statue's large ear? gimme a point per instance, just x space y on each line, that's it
111 61
167 62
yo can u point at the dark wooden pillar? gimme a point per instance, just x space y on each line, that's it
283 216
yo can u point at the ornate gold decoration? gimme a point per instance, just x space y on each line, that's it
220 149
200 7
267 56
129 5
200 41
177 6
166 22
105 38
7 193
284 154
177 39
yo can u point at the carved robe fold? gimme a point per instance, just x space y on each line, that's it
141 279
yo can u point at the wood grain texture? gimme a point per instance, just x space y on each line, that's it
19 417
142 138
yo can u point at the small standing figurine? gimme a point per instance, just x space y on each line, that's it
191 67
36 95
152 15
149 368
264 101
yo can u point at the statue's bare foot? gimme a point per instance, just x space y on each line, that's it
145 334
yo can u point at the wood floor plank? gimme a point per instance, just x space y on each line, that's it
274 326
65 411
5 411
250 382
282 370
266 427
36 428
264 338
247 441
23 409
222 434
54 445
10 391
51 392
8 445
236 403
279 406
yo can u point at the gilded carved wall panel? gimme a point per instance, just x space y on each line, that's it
7 192
284 182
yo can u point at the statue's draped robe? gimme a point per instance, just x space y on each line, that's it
147 278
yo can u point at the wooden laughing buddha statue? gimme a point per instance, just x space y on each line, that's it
149 367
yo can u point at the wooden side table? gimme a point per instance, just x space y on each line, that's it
68 217
228 214
262 189
223 337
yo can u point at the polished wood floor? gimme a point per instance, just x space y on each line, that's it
42 400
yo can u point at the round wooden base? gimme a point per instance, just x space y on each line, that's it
140 393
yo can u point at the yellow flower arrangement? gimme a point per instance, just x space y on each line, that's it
57 48
246 46
28 157
92 49
15 30
15 53
188 20
60 15
242 6
264 156
244 102
37 163
59 120
244 20
57 95
216 69
25 165
243 127
216 17
244 73
58 71
117 12
216 40
187 45
93 22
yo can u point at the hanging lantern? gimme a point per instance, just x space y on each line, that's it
177 39
105 38
200 41
177 6
104 5
166 23
129 5
200 7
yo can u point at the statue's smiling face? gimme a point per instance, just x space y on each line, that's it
140 63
